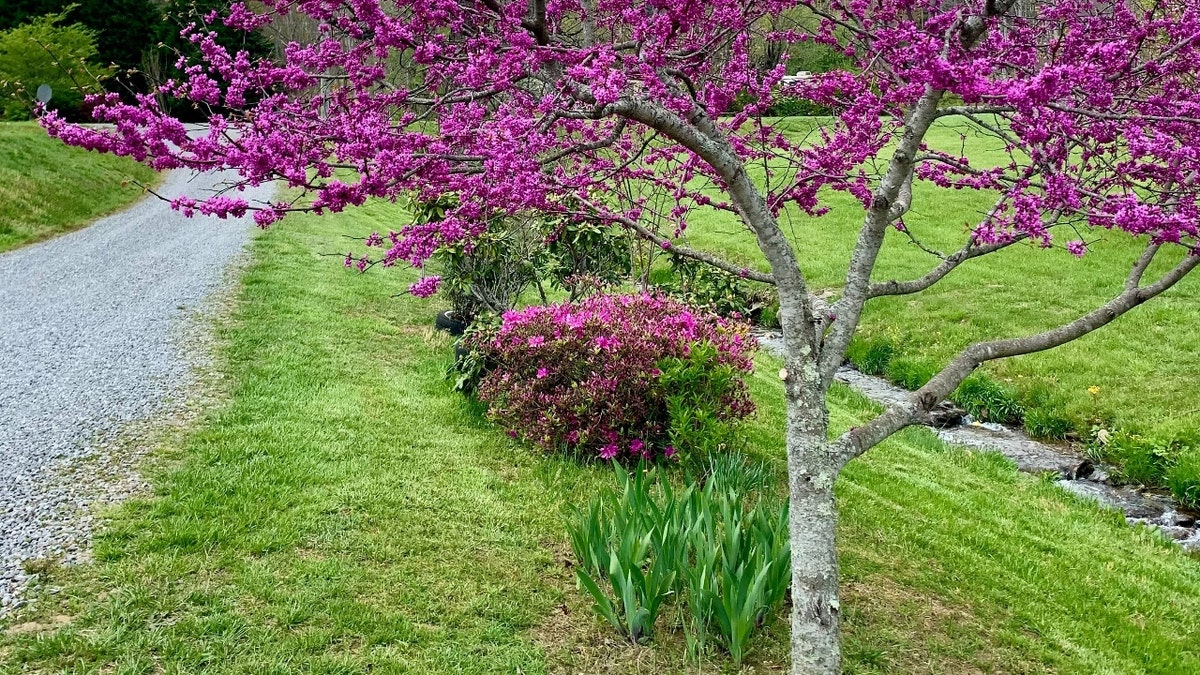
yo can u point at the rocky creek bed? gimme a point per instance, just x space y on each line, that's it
1073 471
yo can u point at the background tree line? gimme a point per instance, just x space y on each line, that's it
87 46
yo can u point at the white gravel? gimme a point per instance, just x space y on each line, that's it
88 348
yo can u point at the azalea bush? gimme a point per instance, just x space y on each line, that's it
588 377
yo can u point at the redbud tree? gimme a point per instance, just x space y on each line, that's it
620 111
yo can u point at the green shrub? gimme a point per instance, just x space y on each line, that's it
871 356
699 389
1139 459
44 52
1183 478
987 400
908 373
586 257
470 365
796 107
713 290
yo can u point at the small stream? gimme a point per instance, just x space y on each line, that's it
1075 473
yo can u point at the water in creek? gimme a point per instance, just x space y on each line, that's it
1074 472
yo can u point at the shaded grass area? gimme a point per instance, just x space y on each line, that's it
344 512
1143 368
47 188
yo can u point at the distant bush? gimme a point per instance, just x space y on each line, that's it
783 106
796 107
608 376
45 52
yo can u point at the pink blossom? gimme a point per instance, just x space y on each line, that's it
425 287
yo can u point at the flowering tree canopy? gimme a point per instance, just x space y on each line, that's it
643 112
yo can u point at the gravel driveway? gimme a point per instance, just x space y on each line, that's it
88 323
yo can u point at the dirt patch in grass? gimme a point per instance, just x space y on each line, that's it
51 624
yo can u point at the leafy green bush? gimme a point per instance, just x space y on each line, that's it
470 365
713 290
717 546
586 257
489 273
1140 460
44 52
699 388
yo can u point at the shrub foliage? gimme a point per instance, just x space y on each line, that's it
589 376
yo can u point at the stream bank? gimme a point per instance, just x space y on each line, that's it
1071 470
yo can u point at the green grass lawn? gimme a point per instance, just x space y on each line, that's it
1146 365
343 512
47 188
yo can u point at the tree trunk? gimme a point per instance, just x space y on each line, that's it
816 647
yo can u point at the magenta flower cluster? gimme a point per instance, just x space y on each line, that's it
1094 105
584 377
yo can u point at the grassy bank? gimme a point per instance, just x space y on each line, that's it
1131 375
47 188
343 512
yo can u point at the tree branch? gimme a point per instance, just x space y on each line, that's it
683 251
935 275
